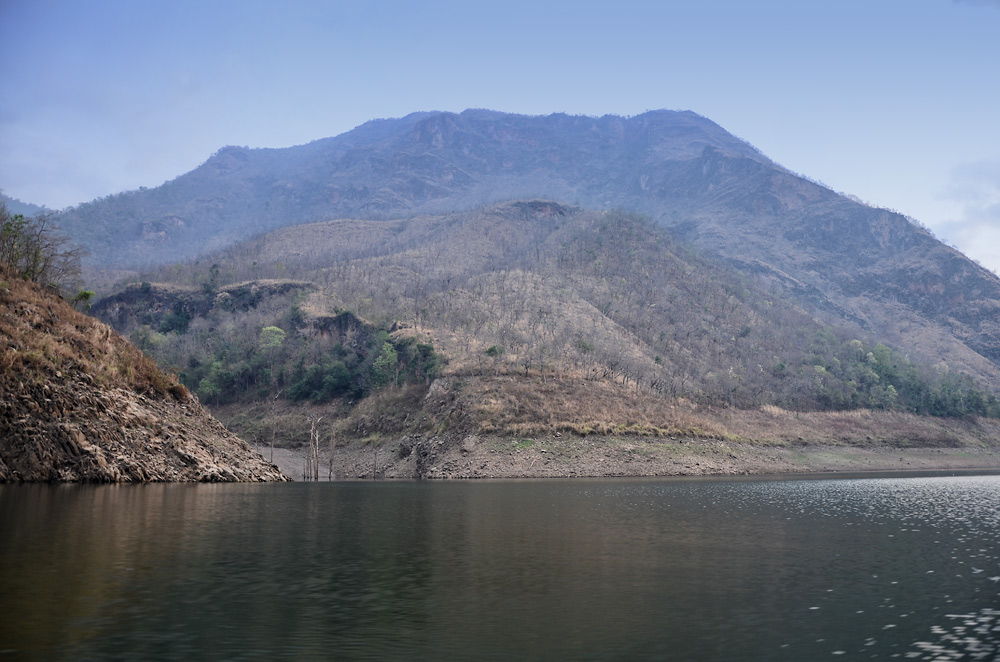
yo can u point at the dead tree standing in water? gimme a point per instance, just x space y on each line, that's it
312 451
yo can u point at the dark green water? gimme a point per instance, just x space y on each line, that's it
875 568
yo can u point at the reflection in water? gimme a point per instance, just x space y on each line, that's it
658 569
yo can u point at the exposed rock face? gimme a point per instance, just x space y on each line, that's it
76 432
79 403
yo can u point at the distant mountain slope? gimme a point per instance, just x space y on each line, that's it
78 403
868 266
389 168
15 206
528 290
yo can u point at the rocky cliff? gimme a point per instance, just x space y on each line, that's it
79 403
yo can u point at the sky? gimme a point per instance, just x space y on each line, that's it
893 101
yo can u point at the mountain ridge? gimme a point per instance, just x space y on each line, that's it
384 169
871 266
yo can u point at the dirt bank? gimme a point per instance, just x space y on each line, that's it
560 457
503 427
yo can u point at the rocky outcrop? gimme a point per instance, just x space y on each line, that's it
79 403
72 431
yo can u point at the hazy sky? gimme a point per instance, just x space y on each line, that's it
894 101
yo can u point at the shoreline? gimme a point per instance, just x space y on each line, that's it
501 427
476 458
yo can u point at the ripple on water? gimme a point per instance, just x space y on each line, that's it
963 511
967 637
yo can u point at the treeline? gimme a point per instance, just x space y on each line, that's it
851 374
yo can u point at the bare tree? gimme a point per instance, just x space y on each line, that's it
35 251
274 420
312 451
333 452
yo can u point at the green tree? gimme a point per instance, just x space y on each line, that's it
208 390
321 381
82 300
271 338
176 320
385 367
495 353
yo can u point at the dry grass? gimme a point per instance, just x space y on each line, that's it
512 406
862 427
515 406
42 337
528 406
388 412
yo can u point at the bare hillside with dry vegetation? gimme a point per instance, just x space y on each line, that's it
80 403
522 320
655 260
828 252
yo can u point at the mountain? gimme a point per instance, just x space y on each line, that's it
866 266
521 319
15 206
425 162
79 403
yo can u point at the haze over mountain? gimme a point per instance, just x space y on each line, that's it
15 206
425 162
867 266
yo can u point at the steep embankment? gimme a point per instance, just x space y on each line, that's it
79 403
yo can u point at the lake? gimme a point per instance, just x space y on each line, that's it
660 569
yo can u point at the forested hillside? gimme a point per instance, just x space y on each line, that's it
15 206
534 290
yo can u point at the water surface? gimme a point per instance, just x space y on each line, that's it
872 568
